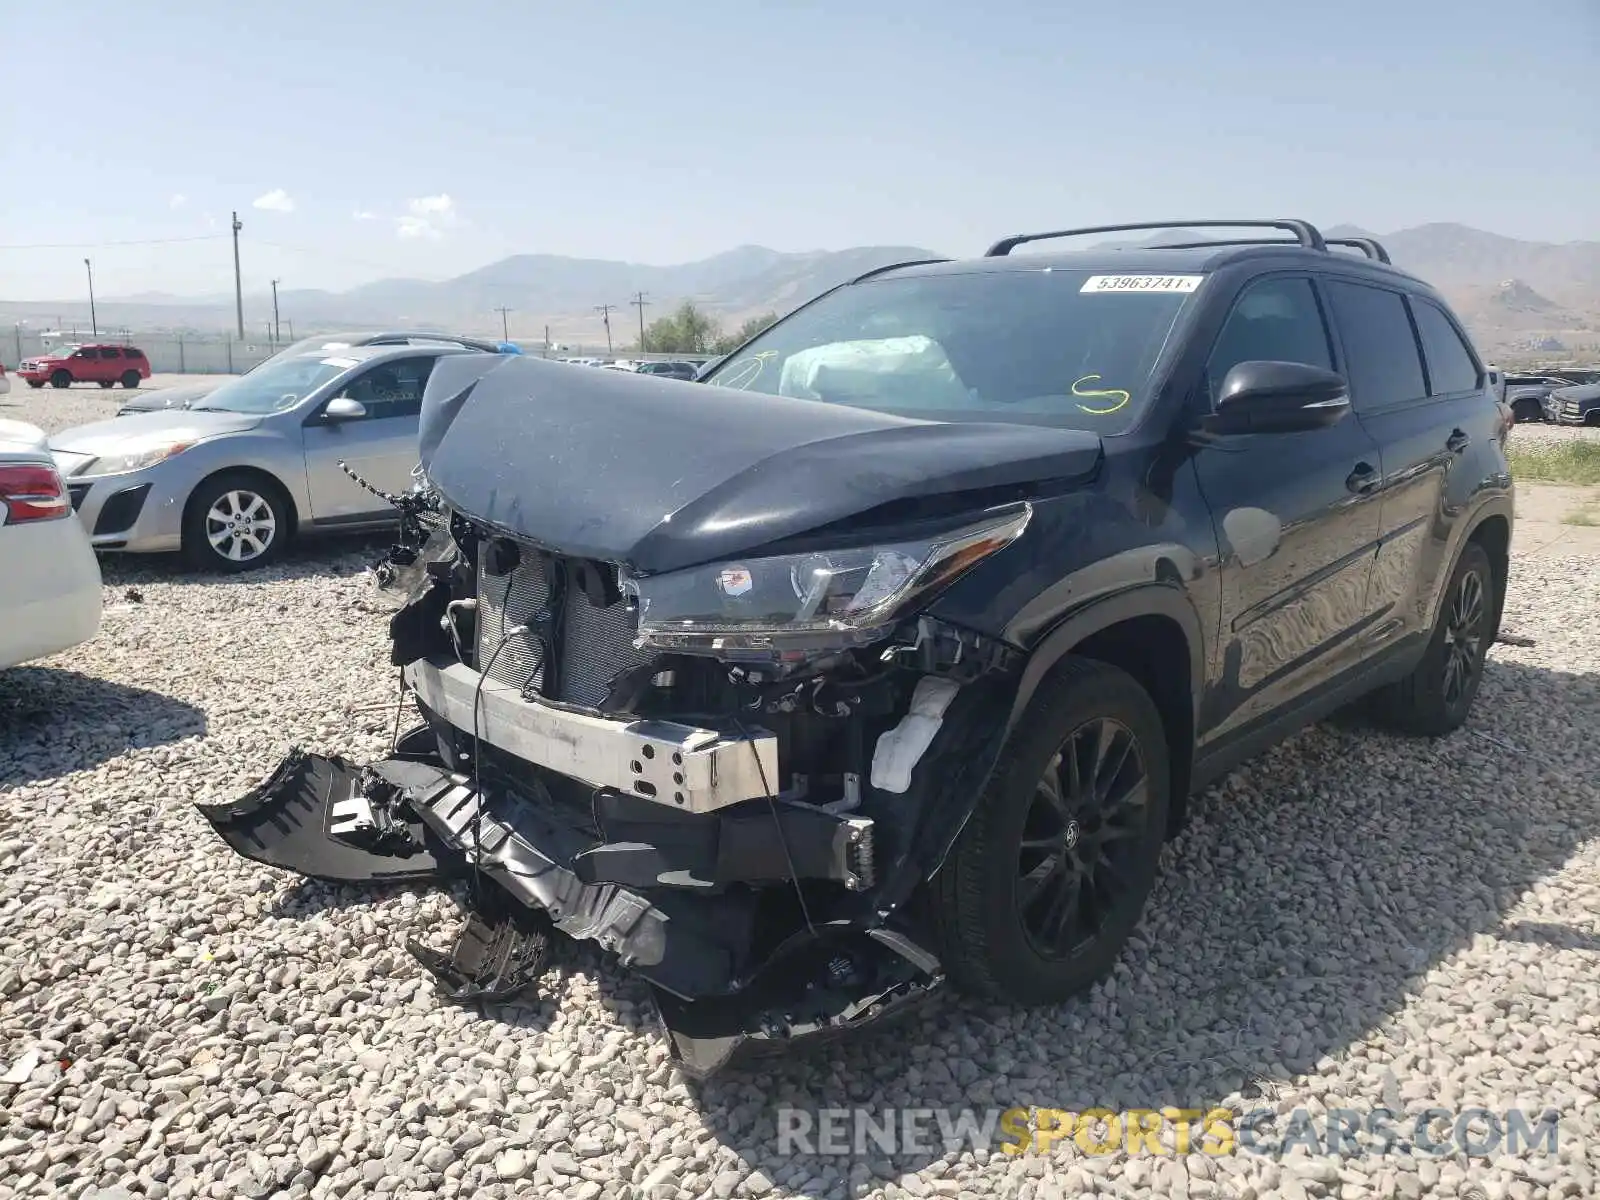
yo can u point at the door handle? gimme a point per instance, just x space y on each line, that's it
1457 441
1363 479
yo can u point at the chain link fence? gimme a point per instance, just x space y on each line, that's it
219 354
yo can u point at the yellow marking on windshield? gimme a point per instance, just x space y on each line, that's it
743 373
1120 397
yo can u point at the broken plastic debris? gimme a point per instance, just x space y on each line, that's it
900 749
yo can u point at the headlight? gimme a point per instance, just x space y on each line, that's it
808 601
135 460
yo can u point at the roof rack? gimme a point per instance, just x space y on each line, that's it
1306 234
1368 246
895 266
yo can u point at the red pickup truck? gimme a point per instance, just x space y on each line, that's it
106 365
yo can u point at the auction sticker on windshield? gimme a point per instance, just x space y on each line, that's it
1141 283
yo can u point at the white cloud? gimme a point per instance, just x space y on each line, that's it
178 200
426 217
277 200
424 206
415 227
362 214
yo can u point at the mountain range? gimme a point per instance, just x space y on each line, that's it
1509 291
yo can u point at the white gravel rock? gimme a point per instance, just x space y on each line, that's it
1351 920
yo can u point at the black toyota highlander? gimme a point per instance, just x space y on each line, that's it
889 653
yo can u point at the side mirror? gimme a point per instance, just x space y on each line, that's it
1263 396
342 408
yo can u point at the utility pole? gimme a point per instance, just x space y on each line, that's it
275 312
94 325
639 302
505 325
546 343
238 286
605 315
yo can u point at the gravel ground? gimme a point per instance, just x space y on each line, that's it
1540 434
1353 920
55 409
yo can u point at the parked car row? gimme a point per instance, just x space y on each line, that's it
674 369
1557 399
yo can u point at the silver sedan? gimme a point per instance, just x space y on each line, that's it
232 480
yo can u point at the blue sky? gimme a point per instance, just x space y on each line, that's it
425 139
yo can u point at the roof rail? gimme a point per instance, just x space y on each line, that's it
1306 234
1371 247
895 266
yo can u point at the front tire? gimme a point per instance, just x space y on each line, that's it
1436 697
106 383
61 378
235 522
36 383
1050 874
130 380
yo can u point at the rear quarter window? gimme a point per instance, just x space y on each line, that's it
1452 369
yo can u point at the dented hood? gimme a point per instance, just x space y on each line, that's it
660 474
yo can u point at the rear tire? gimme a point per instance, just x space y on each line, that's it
61 378
1051 872
1436 697
236 521
130 380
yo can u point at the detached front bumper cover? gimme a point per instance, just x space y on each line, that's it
721 990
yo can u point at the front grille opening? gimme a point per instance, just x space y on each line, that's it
588 646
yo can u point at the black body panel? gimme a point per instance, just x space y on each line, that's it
658 474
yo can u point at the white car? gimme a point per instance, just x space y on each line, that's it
49 578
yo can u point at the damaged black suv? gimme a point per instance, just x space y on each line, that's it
891 651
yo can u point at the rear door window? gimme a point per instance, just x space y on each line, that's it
1382 362
1452 369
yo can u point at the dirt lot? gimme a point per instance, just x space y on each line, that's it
1352 921
55 409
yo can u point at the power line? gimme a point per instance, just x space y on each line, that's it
204 237
640 302
238 280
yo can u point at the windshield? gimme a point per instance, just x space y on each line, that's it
275 386
1038 347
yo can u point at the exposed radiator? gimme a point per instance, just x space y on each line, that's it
595 644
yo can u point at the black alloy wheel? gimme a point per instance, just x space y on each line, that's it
1081 840
1437 696
1049 875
